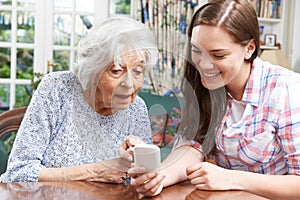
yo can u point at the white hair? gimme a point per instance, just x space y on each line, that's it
105 43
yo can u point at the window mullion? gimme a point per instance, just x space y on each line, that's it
13 62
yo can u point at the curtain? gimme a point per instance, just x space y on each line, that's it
169 20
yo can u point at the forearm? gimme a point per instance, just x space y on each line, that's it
75 173
174 166
269 186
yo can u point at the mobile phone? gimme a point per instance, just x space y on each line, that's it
147 156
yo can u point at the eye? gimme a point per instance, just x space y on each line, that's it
138 71
116 71
219 56
197 51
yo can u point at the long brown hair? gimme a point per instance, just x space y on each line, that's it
205 109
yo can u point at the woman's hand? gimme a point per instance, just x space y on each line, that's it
109 171
208 176
147 184
126 148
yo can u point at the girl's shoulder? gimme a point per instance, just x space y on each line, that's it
276 74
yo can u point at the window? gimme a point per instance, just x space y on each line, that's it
120 7
25 52
17 24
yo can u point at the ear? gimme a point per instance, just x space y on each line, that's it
250 48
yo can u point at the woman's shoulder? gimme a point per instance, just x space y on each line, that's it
61 79
276 74
61 76
279 83
58 85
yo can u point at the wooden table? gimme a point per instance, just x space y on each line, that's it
78 190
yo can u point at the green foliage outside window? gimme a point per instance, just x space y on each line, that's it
4 64
24 92
123 7
5 33
24 71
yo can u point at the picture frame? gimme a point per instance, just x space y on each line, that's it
270 40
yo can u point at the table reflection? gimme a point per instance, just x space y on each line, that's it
66 190
77 190
222 195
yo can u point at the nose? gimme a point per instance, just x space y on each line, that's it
127 80
206 63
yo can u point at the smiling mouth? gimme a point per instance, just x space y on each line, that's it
211 74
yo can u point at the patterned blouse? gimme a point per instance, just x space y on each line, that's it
60 129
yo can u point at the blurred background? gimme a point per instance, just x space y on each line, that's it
40 36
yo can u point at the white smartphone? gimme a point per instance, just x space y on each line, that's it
148 156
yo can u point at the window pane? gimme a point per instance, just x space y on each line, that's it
25 27
23 95
4 97
25 63
5 26
119 7
26 3
63 59
5 2
62 29
63 5
82 26
85 6
4 62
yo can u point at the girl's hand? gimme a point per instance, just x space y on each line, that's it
208 176
126 148
148 184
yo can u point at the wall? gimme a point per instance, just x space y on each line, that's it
296 39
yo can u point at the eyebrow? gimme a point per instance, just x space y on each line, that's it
211 51
140 61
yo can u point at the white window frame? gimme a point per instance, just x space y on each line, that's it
42 47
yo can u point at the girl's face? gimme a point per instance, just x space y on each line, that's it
119 84
219 60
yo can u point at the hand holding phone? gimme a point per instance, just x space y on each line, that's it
147 156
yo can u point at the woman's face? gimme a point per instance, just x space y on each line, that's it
219 60
119 84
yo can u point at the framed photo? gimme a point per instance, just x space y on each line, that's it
270 40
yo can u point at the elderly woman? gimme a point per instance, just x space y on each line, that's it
76 121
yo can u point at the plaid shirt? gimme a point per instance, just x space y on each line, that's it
267 137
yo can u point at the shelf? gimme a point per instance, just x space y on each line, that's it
269 20
264 47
